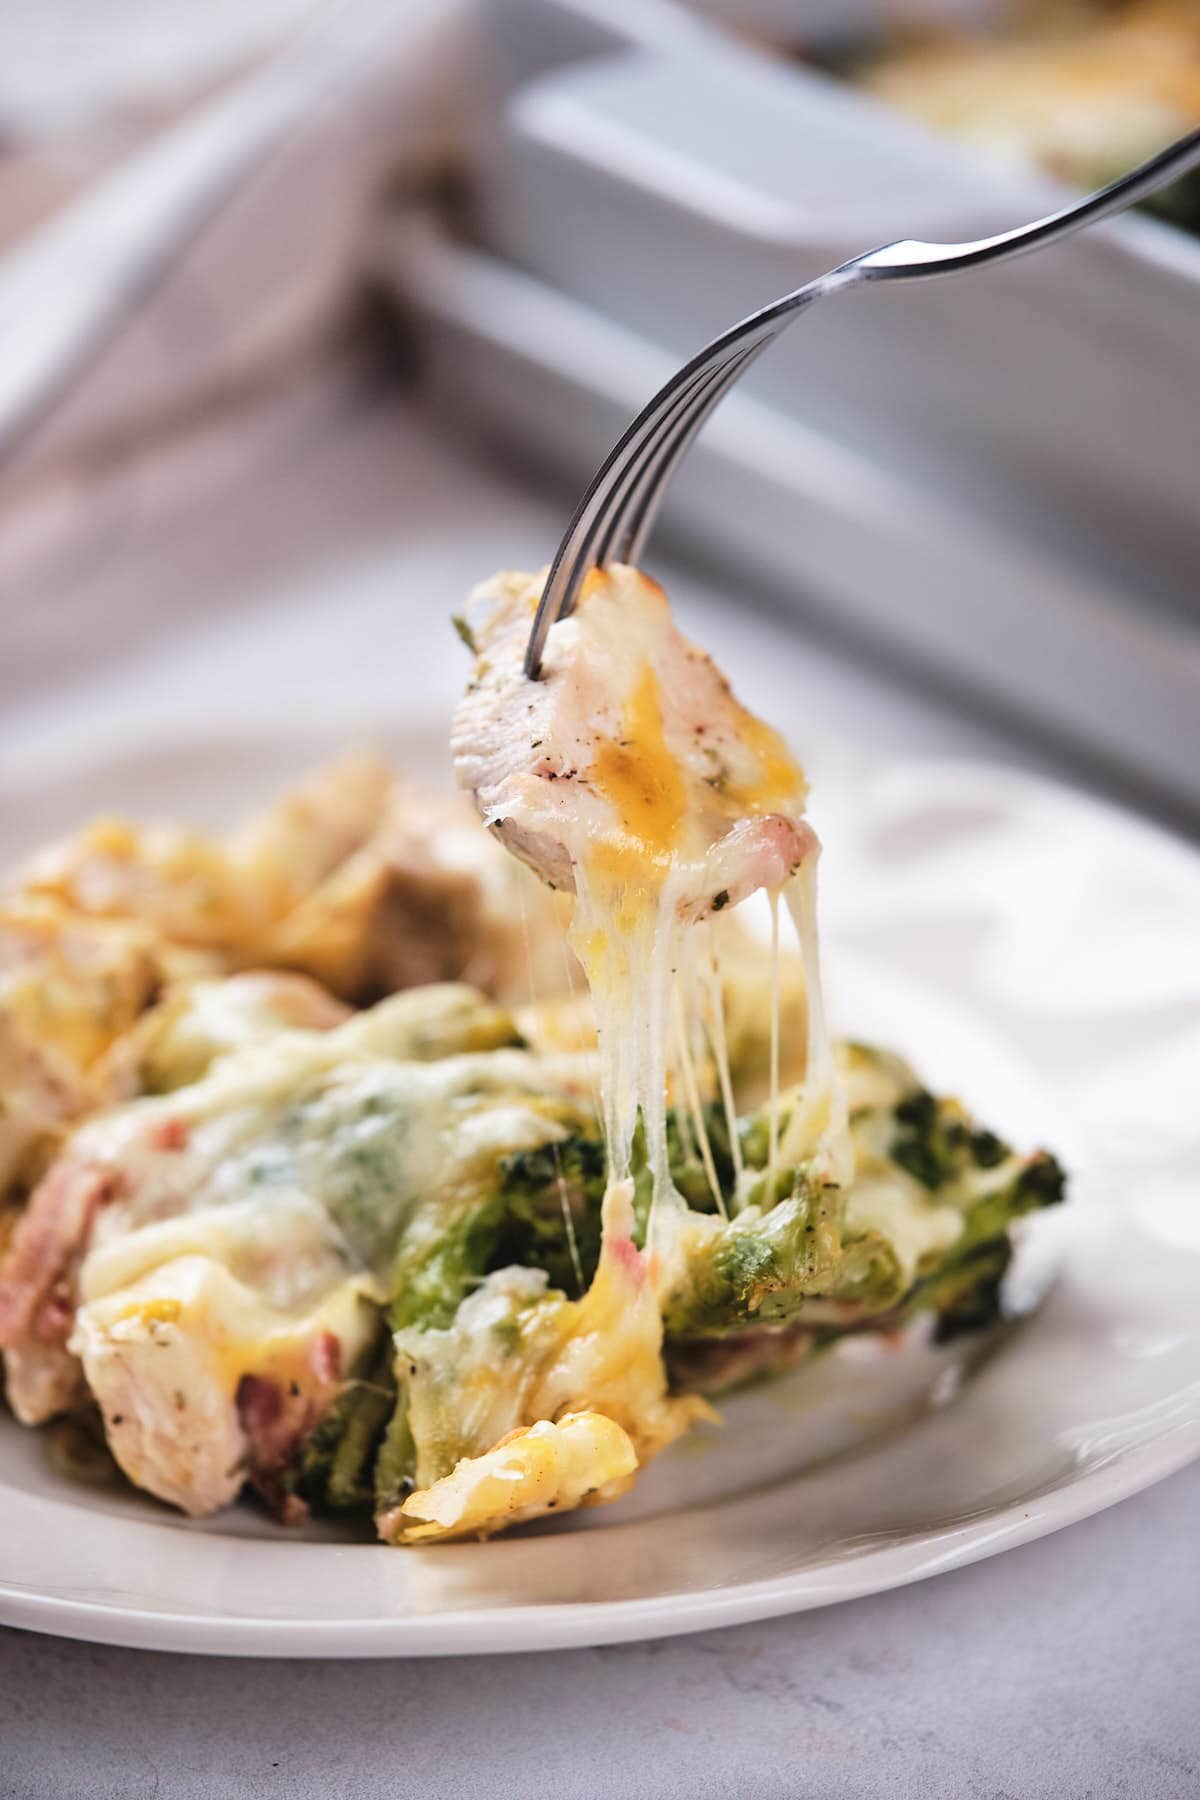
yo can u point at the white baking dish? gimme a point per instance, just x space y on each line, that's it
777 505
998 475
677 185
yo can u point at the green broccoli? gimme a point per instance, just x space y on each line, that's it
333 1470
517 1184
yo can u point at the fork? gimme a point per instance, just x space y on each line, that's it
614 519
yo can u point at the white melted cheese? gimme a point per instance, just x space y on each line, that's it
257 1210
631 774
165 1355
329 1114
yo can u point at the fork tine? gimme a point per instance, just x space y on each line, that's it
576 553
640 506
592 520
694 403
618 509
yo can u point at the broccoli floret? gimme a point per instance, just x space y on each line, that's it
785 1259
762 1267
551 1202
333 1471
936 1144
541 1210
795 1263
988 1150
964 1289
966 1294
544 1213
1041 1182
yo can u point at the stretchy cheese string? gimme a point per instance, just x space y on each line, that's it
773 1098
819 1124
687 1070
714 1015
652 992
563 1197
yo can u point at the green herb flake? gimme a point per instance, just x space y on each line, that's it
465 633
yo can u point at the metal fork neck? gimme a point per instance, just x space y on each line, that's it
618 510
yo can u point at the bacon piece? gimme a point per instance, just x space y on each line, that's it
170 1133
47 1239
629 757
276 1417
42 1097
259 1404
326 1357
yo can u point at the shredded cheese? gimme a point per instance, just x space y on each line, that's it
631 774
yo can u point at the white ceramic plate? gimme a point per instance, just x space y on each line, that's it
1035 951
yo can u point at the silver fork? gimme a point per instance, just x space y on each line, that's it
616 514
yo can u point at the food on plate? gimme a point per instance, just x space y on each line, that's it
1083 92
386 1163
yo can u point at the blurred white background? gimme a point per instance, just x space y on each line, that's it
972 513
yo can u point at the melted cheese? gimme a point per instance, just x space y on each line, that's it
642 780
258 1209
165 1357
630 773
583 1459
517 1352
779 783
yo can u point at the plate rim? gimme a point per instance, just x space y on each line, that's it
579 1624
587 1624
354 729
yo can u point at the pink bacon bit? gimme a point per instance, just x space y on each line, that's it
259 1404
277 1416
326 1357
169 1134
629 1259
762 852
56 1315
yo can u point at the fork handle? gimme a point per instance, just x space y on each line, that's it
912 260
618 509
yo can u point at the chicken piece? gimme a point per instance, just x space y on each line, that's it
629 761
70 986
255 1213
178 1040
600 1354
72 983
43 1381
102 926
583 1459
44 1097
366 883
204 1383
427 899
458 909
41 1097
316 828
142 1164
630 775
195 890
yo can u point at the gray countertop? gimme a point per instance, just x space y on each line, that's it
1068 1669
